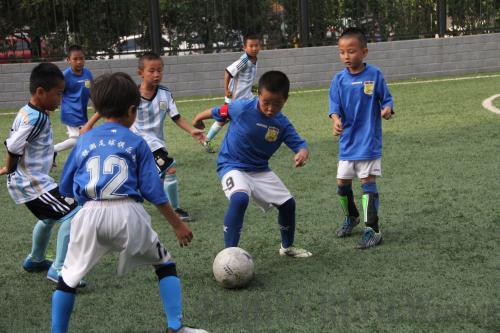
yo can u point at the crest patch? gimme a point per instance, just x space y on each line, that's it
368 87
272 134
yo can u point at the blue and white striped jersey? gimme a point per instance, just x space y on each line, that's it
150 117
31 139
243 72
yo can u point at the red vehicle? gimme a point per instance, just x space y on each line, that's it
18 48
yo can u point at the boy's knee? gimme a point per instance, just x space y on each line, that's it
168 269
240 199
62 286
289 204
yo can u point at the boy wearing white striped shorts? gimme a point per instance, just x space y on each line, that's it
110 172
29 159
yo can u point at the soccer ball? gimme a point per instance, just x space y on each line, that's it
233 268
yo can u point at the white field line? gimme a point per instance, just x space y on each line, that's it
488 104
325 89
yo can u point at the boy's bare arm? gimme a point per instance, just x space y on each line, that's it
196 133
181 229
198 119
227 79
337 125
90 123
10 165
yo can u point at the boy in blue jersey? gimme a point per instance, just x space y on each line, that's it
110 172
75 97
238 81
156 104
257 130
30 149
359 99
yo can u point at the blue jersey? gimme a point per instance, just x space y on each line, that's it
75 97
358 99
110 162
252 138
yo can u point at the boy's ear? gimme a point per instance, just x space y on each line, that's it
132 109
39 91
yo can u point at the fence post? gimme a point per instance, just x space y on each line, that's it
154 24
441 17
304 23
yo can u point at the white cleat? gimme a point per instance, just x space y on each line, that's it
294 252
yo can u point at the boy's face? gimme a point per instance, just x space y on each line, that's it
152 73
352 53
50 100
270 103
76 60
252 47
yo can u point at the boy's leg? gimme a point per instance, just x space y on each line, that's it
212 132
171 296
286 221
63 301
35 261
73 134
233 220
371 235
351 213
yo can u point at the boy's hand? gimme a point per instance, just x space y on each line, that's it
228 94
301 157
337 126
387 113
183 234
4 171
199 124
199 135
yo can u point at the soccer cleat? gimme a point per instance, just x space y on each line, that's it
369 238
36 266
183 215
294 252
209 147
186 329
346 228
53 275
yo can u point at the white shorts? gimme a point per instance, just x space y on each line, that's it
73 132
101 227
264 187
360 169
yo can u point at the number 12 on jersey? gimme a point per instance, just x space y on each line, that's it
113 180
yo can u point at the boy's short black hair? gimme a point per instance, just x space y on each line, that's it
250 35
45 75
275 82
148 56
74 48
112 94
356 33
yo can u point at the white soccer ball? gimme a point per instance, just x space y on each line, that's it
233 268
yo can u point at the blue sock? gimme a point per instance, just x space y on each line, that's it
62 243
62 306
40 240
171 189
214 129
171 296
286 221
233 221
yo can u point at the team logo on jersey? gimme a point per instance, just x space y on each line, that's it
87 84
163 106
272 134
369 85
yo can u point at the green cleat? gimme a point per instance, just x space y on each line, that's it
209 147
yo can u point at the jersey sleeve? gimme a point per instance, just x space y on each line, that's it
334 99
384 94
237 66
68 174
148 179
221 113
173 112
29 128
292 139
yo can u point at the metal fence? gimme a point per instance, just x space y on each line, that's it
43 29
